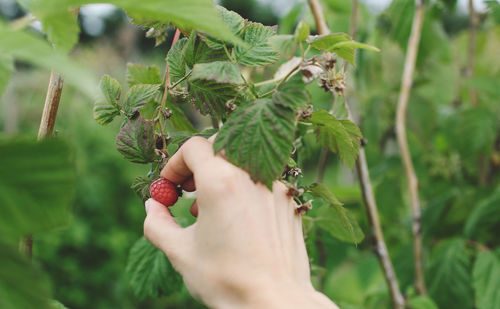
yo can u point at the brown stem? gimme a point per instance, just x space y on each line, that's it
319 18
371 207
411 177
46 128
469 71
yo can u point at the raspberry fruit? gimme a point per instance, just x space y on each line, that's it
164 191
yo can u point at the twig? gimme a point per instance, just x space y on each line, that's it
46 128
371 209
469 71
319 18
411 177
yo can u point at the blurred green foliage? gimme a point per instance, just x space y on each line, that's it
455 148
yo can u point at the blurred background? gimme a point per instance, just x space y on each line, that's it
454 140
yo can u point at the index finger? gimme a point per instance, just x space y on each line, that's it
195 153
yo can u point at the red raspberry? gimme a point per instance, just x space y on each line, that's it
164 191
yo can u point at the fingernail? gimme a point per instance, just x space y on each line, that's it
146 205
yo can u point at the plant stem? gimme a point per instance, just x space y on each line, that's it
411 177
352 27
369 200
319 18
45 130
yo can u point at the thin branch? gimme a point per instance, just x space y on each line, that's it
47 123
471 51
411 177
371 207
319 18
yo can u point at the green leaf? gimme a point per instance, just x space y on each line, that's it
486 280
483 217
258 137
36 185
136 140
175 60
477 130
197 51
21 284
292 94
212 85
223 72
142 74
258 52
185 14
301 32
6 69
141 187
54 304
32 49
422 302
327 41
178 118
138 96
449 275
232 20
335 219
106 109
149 272
354 45
340 136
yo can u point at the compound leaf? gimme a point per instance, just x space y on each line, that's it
138 96
175 60
258 137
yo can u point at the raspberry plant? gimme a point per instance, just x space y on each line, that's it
261 124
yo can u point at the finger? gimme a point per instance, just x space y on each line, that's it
189 185
161 229
212 138
194 209
195 153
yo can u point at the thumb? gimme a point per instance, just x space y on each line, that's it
161 229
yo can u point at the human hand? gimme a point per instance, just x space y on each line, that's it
246 249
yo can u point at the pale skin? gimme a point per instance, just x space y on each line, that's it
246 248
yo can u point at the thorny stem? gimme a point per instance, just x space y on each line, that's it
380 247
45 130
411 177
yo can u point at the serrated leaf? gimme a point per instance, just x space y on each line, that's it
141 187
258 137
197 51
486 280
477 130
210 95
258 52
339 43
340 136
36 185
301 32
111 89
354 44
149 272
282 43
175 60
449 275
105 113
232 20
178 118
223 72
136 141
22 285
142 74
335 219
138 96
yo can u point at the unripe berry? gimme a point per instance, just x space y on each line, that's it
164 191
